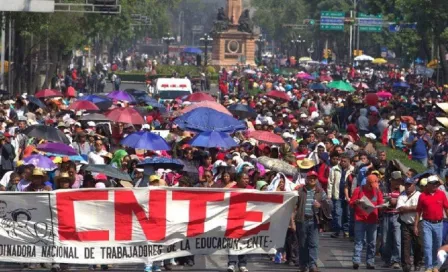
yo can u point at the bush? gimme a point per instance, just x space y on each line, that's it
210 70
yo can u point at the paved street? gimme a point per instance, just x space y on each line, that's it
335 255
142 86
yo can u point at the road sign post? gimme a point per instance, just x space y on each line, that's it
332 20
370 23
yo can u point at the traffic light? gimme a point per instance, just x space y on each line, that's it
309 22
106 6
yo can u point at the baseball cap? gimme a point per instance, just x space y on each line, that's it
312 173
303 115
91 124
371 136
409 181
396 175
153 178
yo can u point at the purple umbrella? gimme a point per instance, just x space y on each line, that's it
41 162
121 95
57 148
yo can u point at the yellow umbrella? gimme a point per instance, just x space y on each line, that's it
379 61
303 59
433 64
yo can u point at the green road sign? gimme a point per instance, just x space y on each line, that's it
332 20
370 23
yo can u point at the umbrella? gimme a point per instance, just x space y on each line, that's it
47 93
303 75
35 101
83 105
157 105
325 78
317 86
136 92
278 166
384 94
192 50
107 170
266 136
62 113
58 148
400 84
75 158
213 139
304 59
145 140
163 162
207 104
361 85
379 61
125 115
341 85
242 111
47 133
121 95
206 119
199 97
101 102
94 117
279 95
41 162
249 71
364 58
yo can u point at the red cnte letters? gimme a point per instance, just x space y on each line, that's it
154 226
66 216
238 214
198 208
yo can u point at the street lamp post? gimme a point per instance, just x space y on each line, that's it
168 39
260 42
206 39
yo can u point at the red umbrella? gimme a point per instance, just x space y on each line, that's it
83 105
125 115
199 97
266 136
47 93
279 94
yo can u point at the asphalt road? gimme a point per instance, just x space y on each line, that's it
142 86
334 255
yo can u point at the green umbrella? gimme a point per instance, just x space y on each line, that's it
341 85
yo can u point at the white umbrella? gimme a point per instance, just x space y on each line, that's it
249 71
363 58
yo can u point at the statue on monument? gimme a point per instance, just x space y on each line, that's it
222 22
245 23
234 9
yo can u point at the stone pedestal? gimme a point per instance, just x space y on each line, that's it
232 47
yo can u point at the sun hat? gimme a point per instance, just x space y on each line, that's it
305 164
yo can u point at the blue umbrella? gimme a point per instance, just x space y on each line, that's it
211 139
145 140
317 86
192 50
206 119
41 162
35 101
400 85
162 162
243 111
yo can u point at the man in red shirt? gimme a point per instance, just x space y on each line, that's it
431 204
366 222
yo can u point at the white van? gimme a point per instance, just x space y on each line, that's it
172 88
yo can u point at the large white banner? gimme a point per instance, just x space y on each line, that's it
137 225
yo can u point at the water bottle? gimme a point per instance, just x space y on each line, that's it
278 258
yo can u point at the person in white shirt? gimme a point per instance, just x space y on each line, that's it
97 156
407 207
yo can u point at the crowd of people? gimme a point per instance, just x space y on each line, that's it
329 145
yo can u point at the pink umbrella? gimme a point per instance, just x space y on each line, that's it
303 75
384 94
361 85
207 104
325 78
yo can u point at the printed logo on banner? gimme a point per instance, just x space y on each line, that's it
25 221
